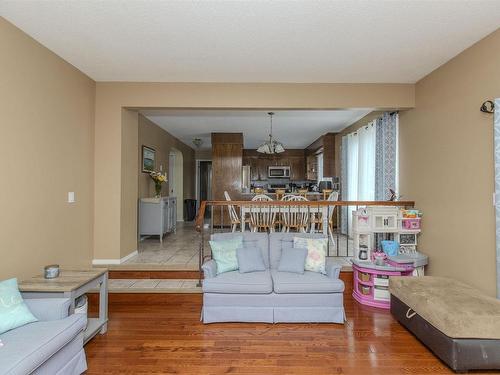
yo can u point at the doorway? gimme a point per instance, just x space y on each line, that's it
176 180
204 188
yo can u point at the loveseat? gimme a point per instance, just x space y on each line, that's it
271 296
51 346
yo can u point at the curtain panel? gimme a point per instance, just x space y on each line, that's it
386 156
496 135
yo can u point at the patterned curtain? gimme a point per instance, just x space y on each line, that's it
496 134
343 182
386 156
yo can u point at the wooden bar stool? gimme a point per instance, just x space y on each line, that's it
280 193
326 193
303 192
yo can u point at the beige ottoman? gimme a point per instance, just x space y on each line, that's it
457 322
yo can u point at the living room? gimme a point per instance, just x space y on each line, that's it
74 81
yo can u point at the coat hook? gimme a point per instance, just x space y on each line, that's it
488 107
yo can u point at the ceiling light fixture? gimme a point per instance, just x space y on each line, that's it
197 142
272 146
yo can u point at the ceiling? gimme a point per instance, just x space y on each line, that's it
295 129
256 41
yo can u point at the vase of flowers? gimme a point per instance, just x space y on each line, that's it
158 179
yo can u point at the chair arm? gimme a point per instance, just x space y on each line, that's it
209 269
332 268
48 308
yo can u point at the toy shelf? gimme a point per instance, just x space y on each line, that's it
375 292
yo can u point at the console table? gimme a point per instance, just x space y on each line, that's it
73 283
157 216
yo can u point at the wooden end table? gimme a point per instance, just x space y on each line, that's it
73 283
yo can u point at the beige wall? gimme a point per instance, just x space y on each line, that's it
163 142
47 151
446 152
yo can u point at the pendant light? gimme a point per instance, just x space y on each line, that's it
272 146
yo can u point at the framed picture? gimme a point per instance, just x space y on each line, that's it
148 159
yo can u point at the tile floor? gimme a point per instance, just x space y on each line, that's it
154 286
179 251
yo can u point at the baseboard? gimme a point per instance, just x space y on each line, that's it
100 262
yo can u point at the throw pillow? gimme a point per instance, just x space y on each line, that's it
13 311
292 260
250 259
224 254
316 252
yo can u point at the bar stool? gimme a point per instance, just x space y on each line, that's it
303 192
326 193
280 193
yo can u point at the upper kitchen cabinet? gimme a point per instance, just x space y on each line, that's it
260 163
323 145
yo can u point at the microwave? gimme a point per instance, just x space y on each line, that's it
278 171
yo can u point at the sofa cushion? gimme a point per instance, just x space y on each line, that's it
259 282
279 241
27 347
250 259
292 260
308 282
250 239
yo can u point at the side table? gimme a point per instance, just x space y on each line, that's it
73 283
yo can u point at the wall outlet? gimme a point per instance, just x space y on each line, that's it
71 197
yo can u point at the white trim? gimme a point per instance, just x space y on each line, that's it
101 262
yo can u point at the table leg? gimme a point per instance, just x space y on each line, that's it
103 303
72 299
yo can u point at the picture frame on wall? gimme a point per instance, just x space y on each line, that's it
148 159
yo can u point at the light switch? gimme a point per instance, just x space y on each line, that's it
71 197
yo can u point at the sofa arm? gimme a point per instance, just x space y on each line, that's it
332 268
48 308
209 269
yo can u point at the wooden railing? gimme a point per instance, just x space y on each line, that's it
200 217
328 212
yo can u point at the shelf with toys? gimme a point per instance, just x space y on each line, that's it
385 244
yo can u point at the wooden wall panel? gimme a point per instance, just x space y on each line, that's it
227 154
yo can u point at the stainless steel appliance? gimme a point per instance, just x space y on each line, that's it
278 171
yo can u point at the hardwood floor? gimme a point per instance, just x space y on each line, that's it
162 334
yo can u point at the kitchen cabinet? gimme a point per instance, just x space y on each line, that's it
259 163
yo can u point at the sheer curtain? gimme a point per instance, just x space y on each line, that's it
360 167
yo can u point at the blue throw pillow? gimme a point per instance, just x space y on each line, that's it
13 311
250 259
224 254
293 259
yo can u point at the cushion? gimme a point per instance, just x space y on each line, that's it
250 239
259 282
281 240
250 259
316 252
13 311
27 347
308 282
456 309
292 260
224 254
